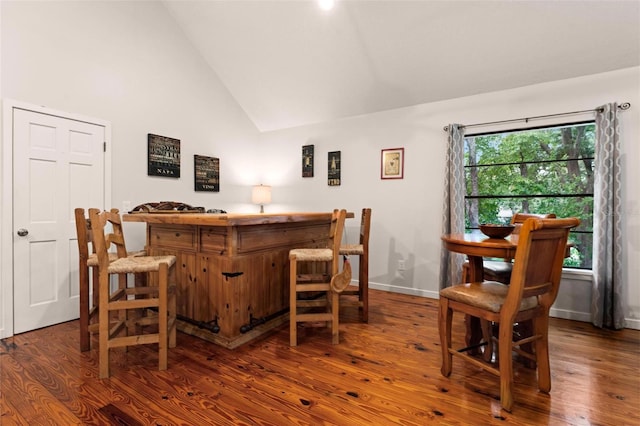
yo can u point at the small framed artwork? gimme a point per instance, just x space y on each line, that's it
163 156
392 163
206 173
333 174
307 161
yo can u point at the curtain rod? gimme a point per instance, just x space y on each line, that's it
622 106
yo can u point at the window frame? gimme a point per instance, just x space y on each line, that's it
581 195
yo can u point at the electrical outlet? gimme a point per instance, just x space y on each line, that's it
400 265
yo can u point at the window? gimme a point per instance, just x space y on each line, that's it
537 170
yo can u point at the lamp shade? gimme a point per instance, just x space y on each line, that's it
261 194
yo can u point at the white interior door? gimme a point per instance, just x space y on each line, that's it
58 165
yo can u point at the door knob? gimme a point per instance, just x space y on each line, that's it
23 232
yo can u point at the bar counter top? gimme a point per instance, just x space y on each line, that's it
227 219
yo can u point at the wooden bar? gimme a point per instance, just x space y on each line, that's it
232 269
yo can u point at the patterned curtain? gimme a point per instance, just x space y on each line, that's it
608 292
453 209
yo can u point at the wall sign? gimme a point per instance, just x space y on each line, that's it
307 161
163 156
206 173
333 174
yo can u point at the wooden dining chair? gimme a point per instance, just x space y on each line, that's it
500 270
312 297
88 266
125 313
362 251
533 288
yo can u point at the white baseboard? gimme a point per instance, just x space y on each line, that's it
633 324
404 290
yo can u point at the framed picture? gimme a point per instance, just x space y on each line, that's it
392 163
333 174
163 156
206 173
307 161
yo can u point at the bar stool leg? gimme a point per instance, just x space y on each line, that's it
293 324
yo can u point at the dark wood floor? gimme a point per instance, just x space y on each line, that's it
386 372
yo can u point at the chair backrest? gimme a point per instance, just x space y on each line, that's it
365 226
518 219
101 241
335 237
83 232
537 267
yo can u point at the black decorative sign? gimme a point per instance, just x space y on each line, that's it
333 174
307 161
206 173
163 156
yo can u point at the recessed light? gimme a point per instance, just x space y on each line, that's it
326 4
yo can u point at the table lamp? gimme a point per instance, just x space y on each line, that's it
261 194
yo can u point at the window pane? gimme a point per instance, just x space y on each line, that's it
547 170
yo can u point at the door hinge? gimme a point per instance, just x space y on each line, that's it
104 146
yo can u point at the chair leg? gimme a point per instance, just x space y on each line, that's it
445 318
103 321
335 310
85 336
293 326
487 336
163 338
541 328
364 285
172 305
505 349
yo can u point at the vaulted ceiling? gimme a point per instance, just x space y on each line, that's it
289 63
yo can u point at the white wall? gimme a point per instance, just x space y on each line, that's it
406 213
126 62
129 64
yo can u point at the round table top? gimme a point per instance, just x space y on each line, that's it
478 244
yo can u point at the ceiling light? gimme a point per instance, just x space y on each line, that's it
326 4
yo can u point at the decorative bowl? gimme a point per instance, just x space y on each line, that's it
496 231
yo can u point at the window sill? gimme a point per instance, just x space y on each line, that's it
577 274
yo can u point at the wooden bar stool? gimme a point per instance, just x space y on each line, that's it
323 305
89 261
361 250
159 294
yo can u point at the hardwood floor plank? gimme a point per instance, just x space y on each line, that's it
30 397
386 372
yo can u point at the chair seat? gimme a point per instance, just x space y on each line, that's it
498 267
312 255
92 260
140 264
352 249
487 295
